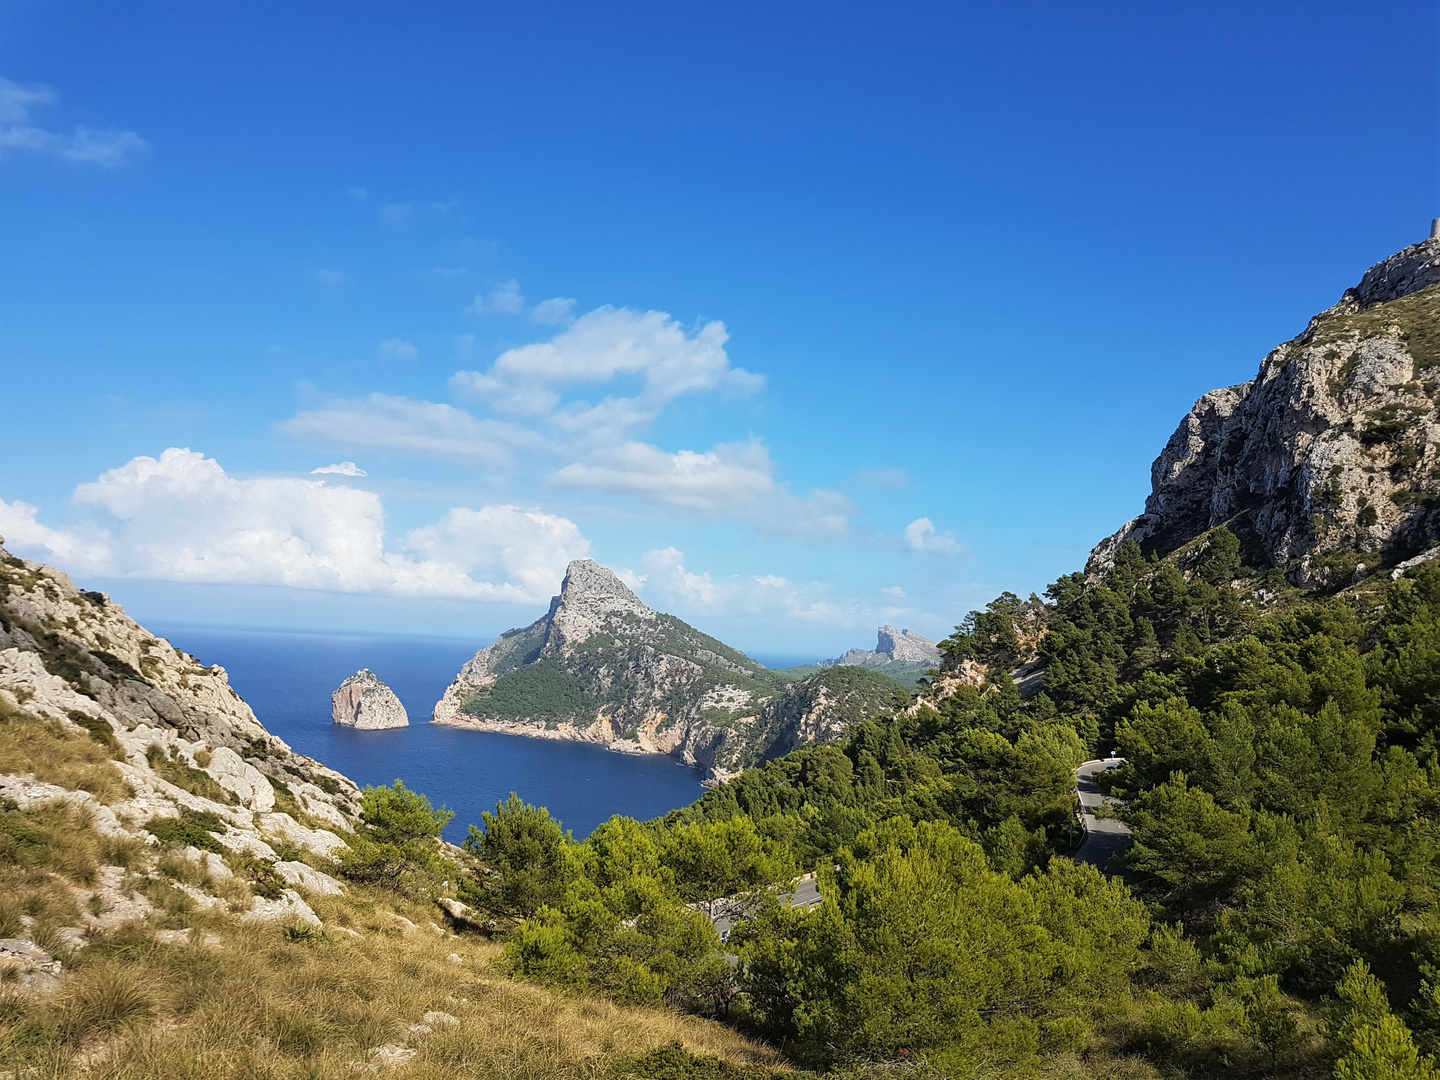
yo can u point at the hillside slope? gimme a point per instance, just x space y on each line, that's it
167 904
176 738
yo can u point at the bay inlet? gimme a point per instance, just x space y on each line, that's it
287 679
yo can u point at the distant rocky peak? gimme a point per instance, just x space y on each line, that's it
891 647
592 599
906 646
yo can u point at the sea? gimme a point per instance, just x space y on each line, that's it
287 678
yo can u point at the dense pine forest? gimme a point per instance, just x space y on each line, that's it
1275 914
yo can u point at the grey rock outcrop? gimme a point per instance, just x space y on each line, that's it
1329 456
364 702
27 967
906 646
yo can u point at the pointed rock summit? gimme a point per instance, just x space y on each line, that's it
364 702
592 601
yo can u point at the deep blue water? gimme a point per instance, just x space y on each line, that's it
288 680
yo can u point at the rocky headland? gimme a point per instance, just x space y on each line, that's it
903 655
600 666
365 703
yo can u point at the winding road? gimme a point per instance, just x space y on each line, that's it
1104 836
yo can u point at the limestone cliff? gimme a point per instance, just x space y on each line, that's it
1327 462
600 666
364 702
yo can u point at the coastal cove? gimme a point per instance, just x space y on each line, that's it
287 679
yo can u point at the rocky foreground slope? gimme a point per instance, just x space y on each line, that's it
1327 463
155 748
600 666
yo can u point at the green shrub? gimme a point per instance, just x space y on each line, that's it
192 828
526 856
303 934
398 842
261 877
169 765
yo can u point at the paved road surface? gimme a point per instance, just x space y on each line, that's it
806 894
1103 836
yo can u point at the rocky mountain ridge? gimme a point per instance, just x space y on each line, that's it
600 666
1327 463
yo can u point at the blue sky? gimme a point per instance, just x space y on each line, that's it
805 317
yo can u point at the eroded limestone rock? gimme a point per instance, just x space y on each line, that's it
364 702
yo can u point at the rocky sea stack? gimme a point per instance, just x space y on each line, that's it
364 702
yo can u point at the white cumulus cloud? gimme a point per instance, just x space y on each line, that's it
666 583
552 312
106 148
599 347
921 535
342 468
731 480
22 531
181 517
542 403
526 547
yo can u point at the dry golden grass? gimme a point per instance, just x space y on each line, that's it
56 756
265 1006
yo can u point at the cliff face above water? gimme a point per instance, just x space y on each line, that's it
600 666
1326 463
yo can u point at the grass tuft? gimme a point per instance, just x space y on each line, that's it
110 997
168 765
